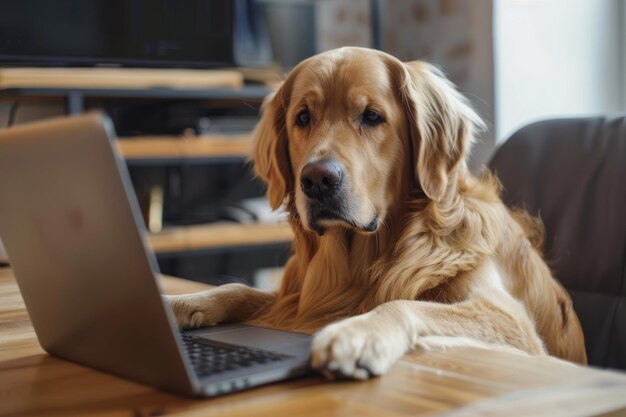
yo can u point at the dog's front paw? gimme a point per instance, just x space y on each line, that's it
194 310
357 347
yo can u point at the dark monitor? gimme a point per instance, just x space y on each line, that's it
153 33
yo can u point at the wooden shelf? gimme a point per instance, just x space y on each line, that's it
218 235
183 148
75 96
130 78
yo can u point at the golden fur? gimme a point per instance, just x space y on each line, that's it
448 262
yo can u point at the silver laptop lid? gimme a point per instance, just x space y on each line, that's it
72 230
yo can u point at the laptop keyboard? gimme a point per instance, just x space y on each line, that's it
210 358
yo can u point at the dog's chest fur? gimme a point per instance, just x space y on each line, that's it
342 273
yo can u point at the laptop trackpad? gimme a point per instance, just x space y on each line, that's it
259 337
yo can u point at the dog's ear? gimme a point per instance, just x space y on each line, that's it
442 126
270 153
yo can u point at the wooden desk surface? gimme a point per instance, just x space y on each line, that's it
455 382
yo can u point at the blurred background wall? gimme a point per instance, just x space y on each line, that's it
557 58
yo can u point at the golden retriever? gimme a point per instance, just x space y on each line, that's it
396 244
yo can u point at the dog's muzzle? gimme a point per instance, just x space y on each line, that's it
324 185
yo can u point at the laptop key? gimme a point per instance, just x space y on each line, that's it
209 357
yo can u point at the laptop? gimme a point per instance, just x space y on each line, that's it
73 233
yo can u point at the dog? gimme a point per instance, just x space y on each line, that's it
396 244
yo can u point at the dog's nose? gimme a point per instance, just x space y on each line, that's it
321 179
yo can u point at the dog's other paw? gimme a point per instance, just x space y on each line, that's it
195 310
357 347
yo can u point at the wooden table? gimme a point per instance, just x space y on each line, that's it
454 382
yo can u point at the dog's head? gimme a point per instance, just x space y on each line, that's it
351 130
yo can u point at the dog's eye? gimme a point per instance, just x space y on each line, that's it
372 118
303 118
